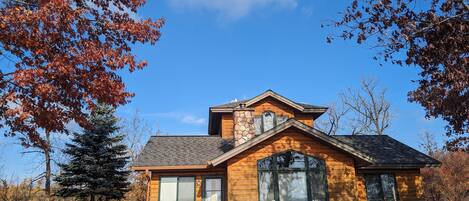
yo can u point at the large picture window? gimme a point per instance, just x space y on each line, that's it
177 189
292 176
381 187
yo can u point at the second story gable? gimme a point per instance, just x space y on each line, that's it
268 110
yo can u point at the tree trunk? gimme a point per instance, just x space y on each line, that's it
48 166
92 198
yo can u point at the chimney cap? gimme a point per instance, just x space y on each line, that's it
243 107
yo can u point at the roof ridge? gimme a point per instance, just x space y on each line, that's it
300 104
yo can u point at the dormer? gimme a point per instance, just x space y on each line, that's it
258 115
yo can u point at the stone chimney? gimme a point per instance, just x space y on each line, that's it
244 128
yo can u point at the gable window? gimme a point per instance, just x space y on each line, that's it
267 121
177 189
292 176
381 187
213 189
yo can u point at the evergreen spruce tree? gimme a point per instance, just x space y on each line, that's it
96 170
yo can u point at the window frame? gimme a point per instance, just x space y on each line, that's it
274 170
213 177
177 186
381 183
274 120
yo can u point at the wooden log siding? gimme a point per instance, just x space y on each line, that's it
227 126
242 169
199 175
305 118
268 104
361 188
409 184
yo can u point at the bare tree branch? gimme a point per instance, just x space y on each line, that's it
135 131
369 108
333 124
359 111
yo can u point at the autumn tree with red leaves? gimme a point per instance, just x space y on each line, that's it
450 182
432 35
64 57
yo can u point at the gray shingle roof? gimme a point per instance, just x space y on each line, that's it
181 150
230 104
197 150
386 150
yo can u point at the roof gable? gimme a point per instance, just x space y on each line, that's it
215 112
307 108
272 94
282 127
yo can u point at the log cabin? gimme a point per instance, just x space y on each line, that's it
267 149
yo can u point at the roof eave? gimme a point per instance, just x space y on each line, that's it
221 109
401 166
305 110
270 93
282 127
315 110
169 167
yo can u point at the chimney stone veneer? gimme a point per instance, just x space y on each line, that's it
244 128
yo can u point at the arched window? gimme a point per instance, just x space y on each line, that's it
292 176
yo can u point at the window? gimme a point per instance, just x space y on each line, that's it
381 187
213 189
177 189
267 121
292 176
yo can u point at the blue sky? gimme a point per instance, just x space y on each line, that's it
214 51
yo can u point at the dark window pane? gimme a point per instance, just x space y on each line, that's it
292 186
290 160
373 187
258 124
291 174
265 164
389 187
266 186
318 179
268 119
315 163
